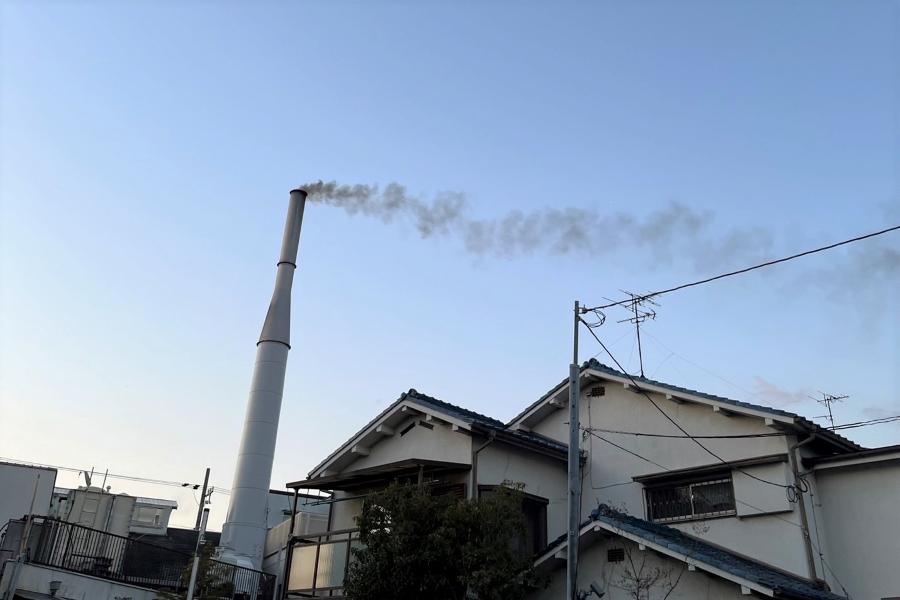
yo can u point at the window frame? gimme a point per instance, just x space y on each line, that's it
690 484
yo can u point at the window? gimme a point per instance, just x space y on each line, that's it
145 515
710 498
534 509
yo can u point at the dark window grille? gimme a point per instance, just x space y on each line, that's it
72 547
691 500
597 391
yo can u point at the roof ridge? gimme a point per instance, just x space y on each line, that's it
653 532
414 393
593 363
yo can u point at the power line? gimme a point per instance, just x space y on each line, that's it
870 423
675 423
110 475
592 432
748 505
748 269
676 355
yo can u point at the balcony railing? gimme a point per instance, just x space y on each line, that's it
319 563
80 549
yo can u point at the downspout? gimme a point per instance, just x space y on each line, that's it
810 560
289 548
473 492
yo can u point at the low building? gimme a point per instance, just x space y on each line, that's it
24 488
733 497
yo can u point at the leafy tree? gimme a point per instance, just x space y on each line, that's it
210 584
419 546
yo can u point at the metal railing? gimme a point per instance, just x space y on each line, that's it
691 500
73 547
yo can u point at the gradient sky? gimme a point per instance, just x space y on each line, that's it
147 152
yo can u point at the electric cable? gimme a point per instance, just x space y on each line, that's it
109 475
748 269
756 508
671 420
676 355
741 436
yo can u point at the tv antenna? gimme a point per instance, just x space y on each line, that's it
639 315
827 400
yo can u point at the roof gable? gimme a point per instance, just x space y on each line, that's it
596 369
705 556
414 403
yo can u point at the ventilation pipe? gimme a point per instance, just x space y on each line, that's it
244 532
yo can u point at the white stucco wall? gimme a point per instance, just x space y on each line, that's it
593 566
75 586
543 476
440 444
344 511
858 510
607 476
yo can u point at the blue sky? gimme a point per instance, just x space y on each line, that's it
147 152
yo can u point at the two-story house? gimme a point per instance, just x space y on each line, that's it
684 494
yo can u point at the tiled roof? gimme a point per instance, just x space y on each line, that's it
469 416
595 365
702 552
457 412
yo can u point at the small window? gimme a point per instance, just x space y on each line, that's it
146 515
615 555
711 498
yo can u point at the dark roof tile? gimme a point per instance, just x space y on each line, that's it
714 556
596 365
472 417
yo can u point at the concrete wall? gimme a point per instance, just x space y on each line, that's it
343 511
607 476
36 578
543 476
17 488
593 566
754 497
857 508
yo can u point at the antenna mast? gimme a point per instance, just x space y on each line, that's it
827 400
638 316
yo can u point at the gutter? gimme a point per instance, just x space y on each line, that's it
473 491
810 559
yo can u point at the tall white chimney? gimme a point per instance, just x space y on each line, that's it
244 532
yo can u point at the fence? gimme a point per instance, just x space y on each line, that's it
319 563
80 549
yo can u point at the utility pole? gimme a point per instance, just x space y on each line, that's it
202 500
199 548
574 464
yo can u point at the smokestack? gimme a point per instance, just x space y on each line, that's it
244 532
